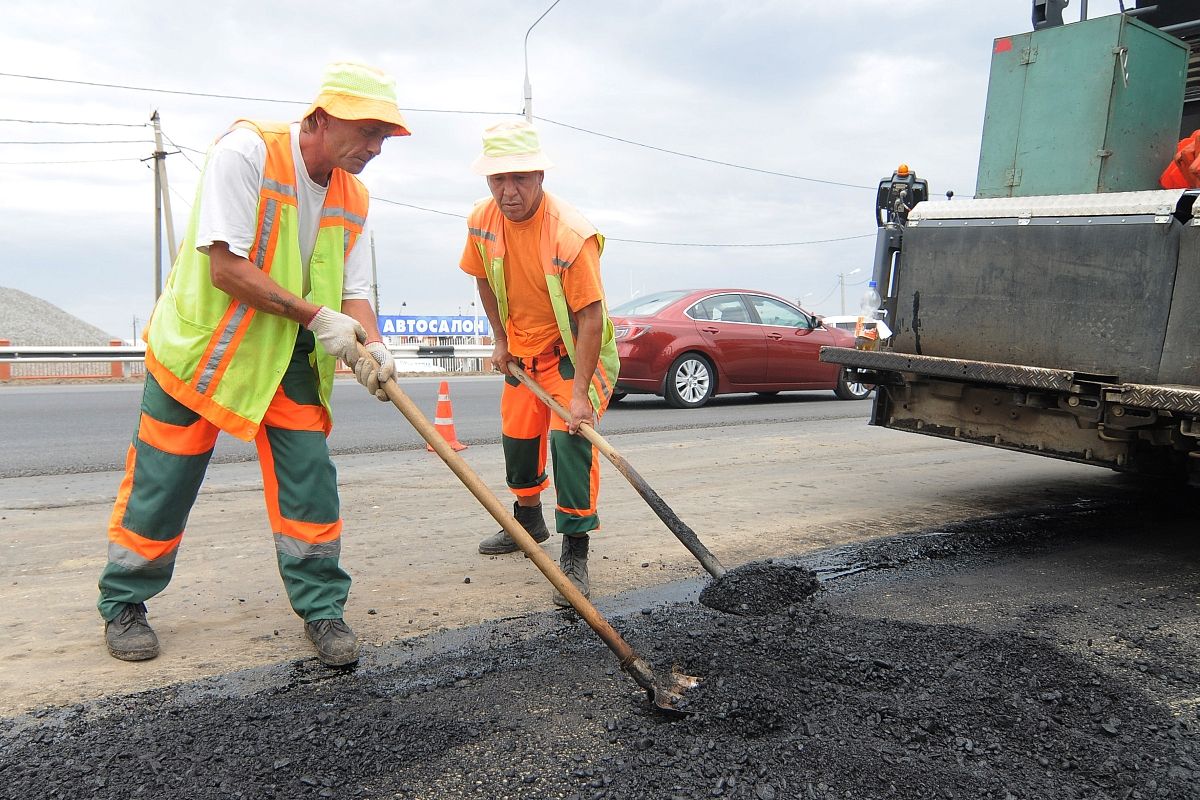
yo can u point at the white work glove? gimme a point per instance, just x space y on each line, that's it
339 334
374 371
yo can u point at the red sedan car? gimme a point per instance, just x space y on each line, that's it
690 345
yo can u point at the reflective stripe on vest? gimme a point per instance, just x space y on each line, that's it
220 357
564 231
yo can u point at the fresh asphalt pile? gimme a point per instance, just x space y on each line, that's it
815 701
760 587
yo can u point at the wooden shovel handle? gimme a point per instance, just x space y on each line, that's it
488 499
677 526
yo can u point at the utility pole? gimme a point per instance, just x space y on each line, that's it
374 277
528 86
842 285
162 204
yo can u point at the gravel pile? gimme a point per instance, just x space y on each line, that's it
816 702
28 320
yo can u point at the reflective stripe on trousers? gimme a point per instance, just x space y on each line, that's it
527 426
165 467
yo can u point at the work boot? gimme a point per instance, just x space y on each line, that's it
128 636
574 563
530 519
337 646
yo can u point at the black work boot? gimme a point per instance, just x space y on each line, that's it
574 563
128 635
337 646
530 519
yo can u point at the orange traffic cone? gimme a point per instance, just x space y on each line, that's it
443 421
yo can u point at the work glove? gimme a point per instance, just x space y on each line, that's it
377 370
338 333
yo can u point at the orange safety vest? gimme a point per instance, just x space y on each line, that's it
217 355
564 231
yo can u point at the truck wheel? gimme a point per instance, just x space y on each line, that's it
690 381
848 388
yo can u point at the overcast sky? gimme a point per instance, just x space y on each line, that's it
833 91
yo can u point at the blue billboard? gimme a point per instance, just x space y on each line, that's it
396 325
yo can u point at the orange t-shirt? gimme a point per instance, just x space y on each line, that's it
532 328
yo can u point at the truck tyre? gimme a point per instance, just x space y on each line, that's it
691 381
848 388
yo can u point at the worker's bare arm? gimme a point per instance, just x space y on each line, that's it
364 313
241 280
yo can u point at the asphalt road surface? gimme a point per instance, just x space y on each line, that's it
71 428
1050 655
992 625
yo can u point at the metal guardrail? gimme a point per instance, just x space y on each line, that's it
34 362
125 353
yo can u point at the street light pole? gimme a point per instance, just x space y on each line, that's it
528 86
374 277
842 285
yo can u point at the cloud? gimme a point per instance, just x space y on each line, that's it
837 91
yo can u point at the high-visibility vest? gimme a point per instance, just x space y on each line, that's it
564 231
220 357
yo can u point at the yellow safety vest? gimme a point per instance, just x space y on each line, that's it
220 357
564 231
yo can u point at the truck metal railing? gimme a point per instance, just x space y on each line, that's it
121 361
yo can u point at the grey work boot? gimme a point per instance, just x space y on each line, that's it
574 563
337 646
128 635
531 520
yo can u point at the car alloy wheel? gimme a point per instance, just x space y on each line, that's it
690 381
849 388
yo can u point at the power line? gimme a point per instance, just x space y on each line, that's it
827 296
96 141
418 208
221 96
642 241
181 149
763 244
145 89
702 158
63 122
80 161
454 111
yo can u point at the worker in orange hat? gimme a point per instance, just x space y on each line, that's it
269 290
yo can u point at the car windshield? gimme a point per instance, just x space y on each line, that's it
646 305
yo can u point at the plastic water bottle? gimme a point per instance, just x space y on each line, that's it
867 338
871 301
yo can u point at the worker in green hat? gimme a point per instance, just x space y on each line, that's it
270 288
536 261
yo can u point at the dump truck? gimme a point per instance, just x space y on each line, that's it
1056 312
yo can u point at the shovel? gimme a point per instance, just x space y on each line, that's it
665 693
682 532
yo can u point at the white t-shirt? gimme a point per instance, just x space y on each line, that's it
229 206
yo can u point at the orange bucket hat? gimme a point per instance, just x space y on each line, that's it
355 91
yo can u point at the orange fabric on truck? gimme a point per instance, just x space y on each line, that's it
1184 170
